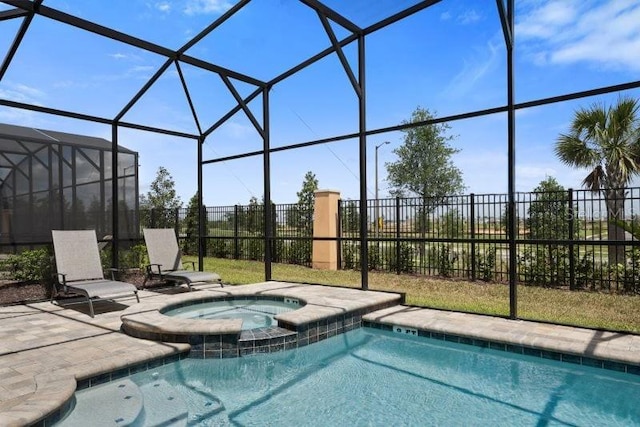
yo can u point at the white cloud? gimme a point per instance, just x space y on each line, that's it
118 56
465 17
163 6
468 17
21 93
569 32
197 7
473 70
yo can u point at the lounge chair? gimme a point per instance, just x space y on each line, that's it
165 260
79 268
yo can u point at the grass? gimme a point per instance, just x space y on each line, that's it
586 309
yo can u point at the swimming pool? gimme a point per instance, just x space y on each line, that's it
254 313
373 377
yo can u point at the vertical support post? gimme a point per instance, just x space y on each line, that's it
115 243
266 159
511 156
201 216
472 222
572 261
364 238
236 243
339 235
398 265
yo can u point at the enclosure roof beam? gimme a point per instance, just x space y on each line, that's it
12 13
333 15
506 31
243 105
343 59
16 41
94 119
144 89
469 115
399 16
215 24
188 96
127 39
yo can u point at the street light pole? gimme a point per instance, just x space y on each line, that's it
377 221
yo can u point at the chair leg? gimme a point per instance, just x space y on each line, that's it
91 307
137 297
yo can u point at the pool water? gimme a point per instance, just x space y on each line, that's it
253 313
371 377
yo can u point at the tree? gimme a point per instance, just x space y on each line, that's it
300 215
549 212
161 201
190 244
607 141
549 219
424 167
452 224
350 216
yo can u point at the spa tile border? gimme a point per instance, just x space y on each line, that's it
284 337
510 348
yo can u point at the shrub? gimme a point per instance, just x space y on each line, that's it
485 263
443 258
349 259
31 265
300 252
254 249
219 248
373 257
404 264
278 250
135 257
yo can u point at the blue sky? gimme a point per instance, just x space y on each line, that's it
449 58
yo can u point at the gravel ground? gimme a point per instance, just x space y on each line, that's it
20 293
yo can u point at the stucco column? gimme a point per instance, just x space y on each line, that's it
325 224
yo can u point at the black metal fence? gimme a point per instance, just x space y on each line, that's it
564 239
237 232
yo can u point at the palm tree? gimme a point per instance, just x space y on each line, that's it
607 140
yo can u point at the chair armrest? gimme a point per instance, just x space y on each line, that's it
150 269
62 279
113 271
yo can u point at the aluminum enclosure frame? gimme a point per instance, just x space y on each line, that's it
26 10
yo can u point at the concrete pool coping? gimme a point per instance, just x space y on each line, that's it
146 320
46 350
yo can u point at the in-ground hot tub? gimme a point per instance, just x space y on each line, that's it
254 311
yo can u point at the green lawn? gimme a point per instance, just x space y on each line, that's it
587 309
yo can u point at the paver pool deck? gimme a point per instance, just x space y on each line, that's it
45 348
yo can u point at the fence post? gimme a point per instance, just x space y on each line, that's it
236 248
398 265
205 231
473 236
176 224
323 254
572 262
339 234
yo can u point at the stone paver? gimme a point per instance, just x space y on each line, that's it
45 348
563 339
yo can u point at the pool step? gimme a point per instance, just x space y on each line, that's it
117 403
163 405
